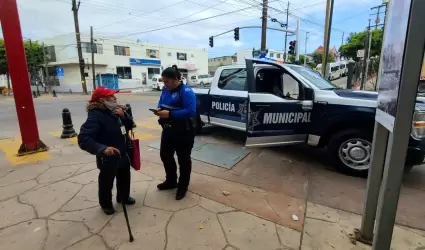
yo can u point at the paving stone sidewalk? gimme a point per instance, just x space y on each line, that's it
52 205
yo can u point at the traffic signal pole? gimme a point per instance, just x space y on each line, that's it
18 69
297 43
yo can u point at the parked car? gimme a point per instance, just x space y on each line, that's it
157 82
202 80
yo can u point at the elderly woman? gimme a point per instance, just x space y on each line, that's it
105 134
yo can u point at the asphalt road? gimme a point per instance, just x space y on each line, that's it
341 82
49 111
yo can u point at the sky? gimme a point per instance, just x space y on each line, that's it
192 22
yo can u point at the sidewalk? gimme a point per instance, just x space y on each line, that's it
52 205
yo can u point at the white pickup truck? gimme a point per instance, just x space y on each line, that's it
284 104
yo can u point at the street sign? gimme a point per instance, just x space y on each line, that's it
360 53
60 73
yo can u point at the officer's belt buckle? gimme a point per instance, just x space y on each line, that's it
166 125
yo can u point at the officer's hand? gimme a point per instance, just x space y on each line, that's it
163 113
111 151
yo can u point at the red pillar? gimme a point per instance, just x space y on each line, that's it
15 53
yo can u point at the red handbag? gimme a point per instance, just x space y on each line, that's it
135 154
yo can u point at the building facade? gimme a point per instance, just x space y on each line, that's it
214 63
134 62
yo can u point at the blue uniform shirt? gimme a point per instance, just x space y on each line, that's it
179 109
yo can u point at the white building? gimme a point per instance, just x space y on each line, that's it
247 53
135 62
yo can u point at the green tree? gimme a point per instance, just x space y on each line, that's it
291 59
357 41
33 53
317 58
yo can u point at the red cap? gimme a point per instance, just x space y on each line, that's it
102 92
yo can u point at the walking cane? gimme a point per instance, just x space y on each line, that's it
123 204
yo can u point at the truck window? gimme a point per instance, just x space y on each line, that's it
291 87
232 79
277 82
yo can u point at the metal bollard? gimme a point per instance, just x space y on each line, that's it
54 93
350 73
130 112
68 129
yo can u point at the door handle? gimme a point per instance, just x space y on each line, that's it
263 105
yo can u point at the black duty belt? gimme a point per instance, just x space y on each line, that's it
166 125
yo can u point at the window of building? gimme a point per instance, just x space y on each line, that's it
152 53
124 72
278 55
86 48
121 50
181 56
169 53
271 54
232 79
192 55
152 72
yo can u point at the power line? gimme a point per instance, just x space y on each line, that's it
192 14
185 23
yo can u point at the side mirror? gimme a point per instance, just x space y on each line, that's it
308 94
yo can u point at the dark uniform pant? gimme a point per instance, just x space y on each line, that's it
180 142
106 182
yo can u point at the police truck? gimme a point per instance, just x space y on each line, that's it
285 104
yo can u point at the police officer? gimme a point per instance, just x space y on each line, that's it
177 111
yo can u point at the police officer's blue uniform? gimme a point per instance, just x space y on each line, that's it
178 133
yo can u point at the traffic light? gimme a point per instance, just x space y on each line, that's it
211 41
292 47
236 34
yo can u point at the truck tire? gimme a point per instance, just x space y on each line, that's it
351 150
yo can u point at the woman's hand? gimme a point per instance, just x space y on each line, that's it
163 113
111 151
119 111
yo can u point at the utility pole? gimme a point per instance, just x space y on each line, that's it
328 27
92 57
378 12
46 71
342 39
264 26
366 57
286 33
305 51
75 9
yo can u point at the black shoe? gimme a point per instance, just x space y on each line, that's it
130 201
108 210
166 185
181 193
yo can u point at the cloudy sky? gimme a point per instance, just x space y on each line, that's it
152 20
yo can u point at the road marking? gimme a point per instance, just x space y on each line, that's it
59 133
150 123
139 135
10 148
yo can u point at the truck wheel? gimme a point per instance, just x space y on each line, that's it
351 150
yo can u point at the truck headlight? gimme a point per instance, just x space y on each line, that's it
418 125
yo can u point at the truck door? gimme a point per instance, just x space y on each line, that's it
278 112
229 98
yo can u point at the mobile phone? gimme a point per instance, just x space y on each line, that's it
153 110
